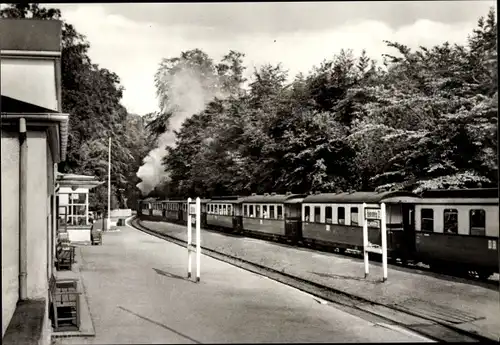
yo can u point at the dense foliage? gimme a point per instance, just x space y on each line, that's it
426 119
91 95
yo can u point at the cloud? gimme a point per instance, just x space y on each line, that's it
133 49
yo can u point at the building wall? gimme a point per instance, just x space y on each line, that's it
10 225
37 215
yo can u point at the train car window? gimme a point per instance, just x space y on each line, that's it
328 215
477 220
245 210
307 213
340 215
450 221
354 216
212 207
280 212
427 219
317 214
264 212
271 211
251 211
224 210
229 212
257 211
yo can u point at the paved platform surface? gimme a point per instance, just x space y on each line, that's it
471 307
137 292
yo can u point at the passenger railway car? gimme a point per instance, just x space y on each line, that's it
450 230
224 213
203 215
457 230
266 215
336 219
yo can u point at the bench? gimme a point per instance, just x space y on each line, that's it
95 236
64 300
65 256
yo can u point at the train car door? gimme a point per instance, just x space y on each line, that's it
409 227
293 224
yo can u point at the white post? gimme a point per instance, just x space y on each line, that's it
109 186
383 229
87 208
365 240
190 236
198 238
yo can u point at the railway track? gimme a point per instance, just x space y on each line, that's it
439 331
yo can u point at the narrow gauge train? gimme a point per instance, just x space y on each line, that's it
450 230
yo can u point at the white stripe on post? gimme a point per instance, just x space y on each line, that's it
198 238
365 241
383 228
189 230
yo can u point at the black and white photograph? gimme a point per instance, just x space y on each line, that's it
249 172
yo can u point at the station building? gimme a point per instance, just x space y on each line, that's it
34 134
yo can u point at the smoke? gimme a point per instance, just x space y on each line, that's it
183 92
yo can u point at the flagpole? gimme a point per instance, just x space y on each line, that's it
109 186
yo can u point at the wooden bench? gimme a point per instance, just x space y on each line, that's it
65 256
64 303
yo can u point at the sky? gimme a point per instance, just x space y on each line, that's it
131 39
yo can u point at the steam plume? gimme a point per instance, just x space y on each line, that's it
183 92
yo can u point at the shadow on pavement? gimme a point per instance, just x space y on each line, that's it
171 275
161 325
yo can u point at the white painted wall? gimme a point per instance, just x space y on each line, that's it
37 215
79 235
10 225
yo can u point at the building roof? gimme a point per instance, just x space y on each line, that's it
78 181
31 83
355 197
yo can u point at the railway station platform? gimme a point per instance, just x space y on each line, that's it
472 307
138 293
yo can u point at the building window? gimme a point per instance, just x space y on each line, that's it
245 210
307 213
354 216
280 212
477 219
271 212
427 219
317 214
328 215
77 209
340 215
450 221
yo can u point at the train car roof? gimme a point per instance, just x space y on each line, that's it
225 198
271 198
475 193
202 201
355 197
149 199
226 201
